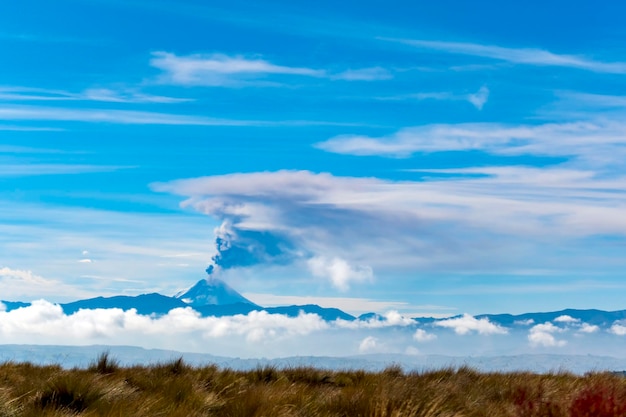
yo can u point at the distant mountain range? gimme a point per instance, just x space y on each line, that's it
82 356
209 297
213 297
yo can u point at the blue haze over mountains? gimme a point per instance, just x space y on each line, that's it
213 297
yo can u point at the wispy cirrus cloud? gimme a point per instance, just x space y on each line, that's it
525 56
569 105
51 239
43 113
109 95
222 70
477 99
17 128
22 284
596 142
34 169
135 117
363 74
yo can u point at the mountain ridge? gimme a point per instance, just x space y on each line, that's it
212 297
211 291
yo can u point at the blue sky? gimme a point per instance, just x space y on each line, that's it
431 157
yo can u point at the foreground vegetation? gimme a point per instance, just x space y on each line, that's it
176 389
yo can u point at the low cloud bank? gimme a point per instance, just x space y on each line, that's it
260 333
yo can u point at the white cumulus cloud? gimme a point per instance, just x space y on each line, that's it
421 336
339 271
588 328
566 319
618 328
369 344
467 324
543 335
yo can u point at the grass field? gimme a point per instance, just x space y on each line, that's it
176 389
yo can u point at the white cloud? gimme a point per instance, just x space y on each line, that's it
566 319
17 93
35 169
618 329
389 319
412 350
586 140
339 271
24 277
588 328
364 74
44 319
467 324
544 339
24 285
526 56
416 224
15 128
258 333
22 112
591 101
126 96
184 329
542 335
221 70
526 322
422 336
477 99
369 344
393 318
133 117
49 239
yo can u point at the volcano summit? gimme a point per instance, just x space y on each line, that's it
211 291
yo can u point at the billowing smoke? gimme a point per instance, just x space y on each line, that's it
237 247
285 218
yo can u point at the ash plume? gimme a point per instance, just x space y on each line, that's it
237 247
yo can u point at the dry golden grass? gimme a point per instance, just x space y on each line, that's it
176 389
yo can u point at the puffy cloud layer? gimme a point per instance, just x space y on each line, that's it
47 320
262 334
